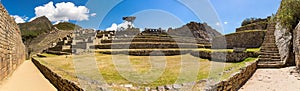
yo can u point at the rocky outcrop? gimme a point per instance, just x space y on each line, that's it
195 30
283 38
296 45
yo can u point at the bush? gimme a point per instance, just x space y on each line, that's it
252 20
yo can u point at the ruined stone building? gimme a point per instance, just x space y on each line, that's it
12 49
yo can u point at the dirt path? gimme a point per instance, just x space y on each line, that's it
273 80
27 78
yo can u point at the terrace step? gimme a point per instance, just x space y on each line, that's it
269 53
269 49
273 54
268 64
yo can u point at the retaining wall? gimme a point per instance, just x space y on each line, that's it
246 39
237 80
60 83
220 56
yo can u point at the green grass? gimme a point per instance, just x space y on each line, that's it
253 50
64 66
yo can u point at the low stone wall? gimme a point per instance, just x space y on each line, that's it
220 56
149 46
246 39
237 80
60 83
149 52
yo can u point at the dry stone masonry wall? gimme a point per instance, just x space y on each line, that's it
59 82
12 49
246 39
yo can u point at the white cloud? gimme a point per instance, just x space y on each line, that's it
122 26
19 19
113 27
63 11
93 14
225 23
218 24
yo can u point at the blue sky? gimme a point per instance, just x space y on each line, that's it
224 15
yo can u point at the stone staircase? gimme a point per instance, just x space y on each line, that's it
269 53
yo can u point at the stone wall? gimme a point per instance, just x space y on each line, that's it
60 83
149 45
12 49
246 39
237 80
220 56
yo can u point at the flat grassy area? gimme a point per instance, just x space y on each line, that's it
193 66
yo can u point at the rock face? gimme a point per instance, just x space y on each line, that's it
12 49
283 40
296 45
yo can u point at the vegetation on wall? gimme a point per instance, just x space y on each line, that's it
34 28
289 13
252 20
66 26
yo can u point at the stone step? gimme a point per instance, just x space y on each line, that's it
276 57
264 59
270 65
269 49
271 54
269 43
270 40
269 46
269 62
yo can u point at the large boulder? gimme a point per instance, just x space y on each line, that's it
283 38
296 45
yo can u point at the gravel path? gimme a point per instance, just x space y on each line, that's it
273 80
27 78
